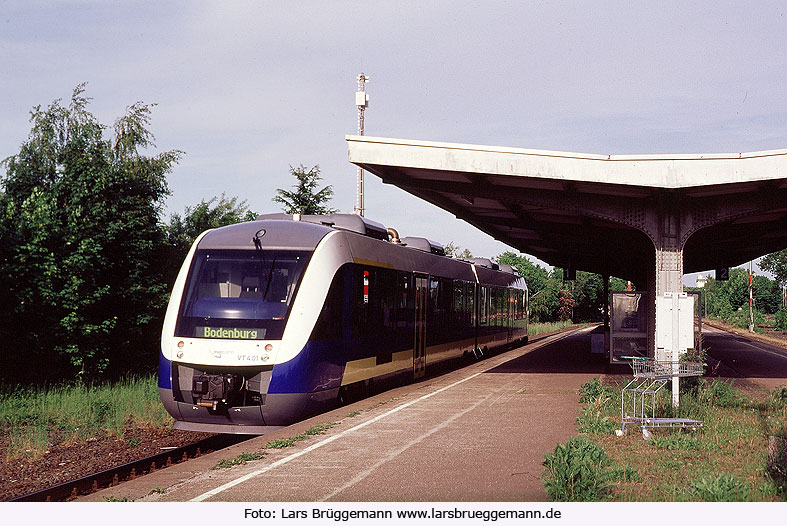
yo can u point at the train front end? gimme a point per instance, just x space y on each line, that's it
224 353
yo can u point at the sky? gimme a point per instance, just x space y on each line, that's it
249 89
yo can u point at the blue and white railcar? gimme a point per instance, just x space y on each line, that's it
273 320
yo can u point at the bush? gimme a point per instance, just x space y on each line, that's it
781 319
722 488
594 390
720 394
577 471
740 318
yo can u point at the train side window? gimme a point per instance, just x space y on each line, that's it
458 315
496 310
482 305
387 289
511 305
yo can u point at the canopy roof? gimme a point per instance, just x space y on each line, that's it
596 212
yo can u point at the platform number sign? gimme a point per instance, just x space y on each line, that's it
722 274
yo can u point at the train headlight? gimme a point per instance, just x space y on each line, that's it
181 344
268 348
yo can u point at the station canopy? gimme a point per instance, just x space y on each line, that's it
607 214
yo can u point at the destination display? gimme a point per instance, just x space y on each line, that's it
229 333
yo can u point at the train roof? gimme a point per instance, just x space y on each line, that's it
271 234
349 222
304 232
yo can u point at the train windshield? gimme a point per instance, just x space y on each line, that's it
240 294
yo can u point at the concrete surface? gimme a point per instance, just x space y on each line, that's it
474 434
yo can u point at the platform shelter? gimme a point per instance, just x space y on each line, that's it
645 218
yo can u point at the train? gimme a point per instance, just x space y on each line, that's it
275 320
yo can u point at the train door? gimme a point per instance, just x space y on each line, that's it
510 312
419 345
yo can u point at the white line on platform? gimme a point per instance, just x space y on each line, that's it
328 440
240 480
361 476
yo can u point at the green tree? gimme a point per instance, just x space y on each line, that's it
455 251
535 275
588 296
306 199
776 264
182 231
737 288
767 295
80 215
213 213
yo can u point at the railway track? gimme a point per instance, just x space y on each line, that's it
114 476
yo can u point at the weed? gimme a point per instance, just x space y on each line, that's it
593 421
681 442
237 461
284 442
595 416
722 488
778 398
353 414
318 429
732 440
115 499
625 474
577 471
720 394
594 390
132 442
669 464
158 490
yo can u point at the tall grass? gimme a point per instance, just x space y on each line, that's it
29 417
534 329
725 460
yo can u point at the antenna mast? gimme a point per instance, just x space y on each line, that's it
362 101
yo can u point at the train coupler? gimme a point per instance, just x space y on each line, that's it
215 391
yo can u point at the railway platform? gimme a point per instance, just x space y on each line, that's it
478 433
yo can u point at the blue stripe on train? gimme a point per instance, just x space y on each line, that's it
317 367
164 372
